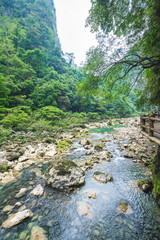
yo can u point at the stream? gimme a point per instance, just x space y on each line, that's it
56 211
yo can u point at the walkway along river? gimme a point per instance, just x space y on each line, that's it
57 211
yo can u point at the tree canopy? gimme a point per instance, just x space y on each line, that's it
128 55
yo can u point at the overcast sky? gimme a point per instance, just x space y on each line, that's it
74 37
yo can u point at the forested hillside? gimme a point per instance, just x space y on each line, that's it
38 87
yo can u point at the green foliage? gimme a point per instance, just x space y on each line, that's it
50 113
40 125
39 90
4 134
156 176
16 119
128 55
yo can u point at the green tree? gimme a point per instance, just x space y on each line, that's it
128 54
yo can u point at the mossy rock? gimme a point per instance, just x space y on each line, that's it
102 177
62 145
97 173
4 169
122 207
64 167
145 184
64 174
98 147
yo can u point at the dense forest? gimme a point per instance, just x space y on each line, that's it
39 89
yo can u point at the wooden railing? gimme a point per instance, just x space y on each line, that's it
151 126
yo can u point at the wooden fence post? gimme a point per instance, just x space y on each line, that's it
142 122
150 126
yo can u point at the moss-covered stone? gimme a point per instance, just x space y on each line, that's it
4 169
64 167
102 177
156 176
62 145
97 173
123 206
145 184
98 147
64 174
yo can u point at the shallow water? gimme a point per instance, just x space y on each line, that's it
56 212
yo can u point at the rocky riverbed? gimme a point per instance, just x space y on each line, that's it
33 168
14 157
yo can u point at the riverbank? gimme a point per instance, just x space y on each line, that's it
109 154
15 157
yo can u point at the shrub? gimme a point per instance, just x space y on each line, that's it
16 120
50 113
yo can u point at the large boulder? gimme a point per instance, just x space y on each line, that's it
64 173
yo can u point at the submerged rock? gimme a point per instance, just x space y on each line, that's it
7 208
91 193
37 233
21 192
145 184
123 207
17 218
84 209
64 173
102 177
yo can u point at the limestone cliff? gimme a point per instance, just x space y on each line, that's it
53 9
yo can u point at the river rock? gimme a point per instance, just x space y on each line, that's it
85 142
98 147
122 207
8 178
37 233
18 167
102 177
64 173
11 156
91 193
104 156
37 191
145 184
3 163
17 218
129 154
84 209
7 208
21 192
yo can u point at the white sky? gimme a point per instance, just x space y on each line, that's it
74 37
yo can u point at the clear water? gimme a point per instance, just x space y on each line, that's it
56 212
106 129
